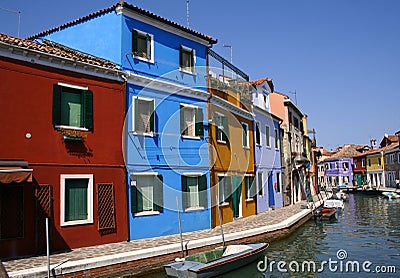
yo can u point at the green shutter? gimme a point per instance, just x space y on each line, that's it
76 199
227 189
88 109
253 187
134 41
182 120
152 116
225 132
203 191
185 190
181 57
57 90
148 44
158 193
135 206
199 122
136 111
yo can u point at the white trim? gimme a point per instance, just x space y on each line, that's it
146 213
189 209
72 86
151 60
189 105
163 26
191 137
193 53
192 174
89 219
72 127
144 174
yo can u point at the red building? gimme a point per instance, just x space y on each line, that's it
360 169
62 117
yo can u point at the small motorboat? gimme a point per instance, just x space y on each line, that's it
334 203
391 195
216 261
325 213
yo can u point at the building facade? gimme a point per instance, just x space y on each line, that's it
60 108
392 165
267 148
166 127
233 190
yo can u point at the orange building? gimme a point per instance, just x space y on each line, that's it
231 136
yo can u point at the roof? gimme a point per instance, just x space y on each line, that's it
133 8
347 151
56 49
386 148
262 80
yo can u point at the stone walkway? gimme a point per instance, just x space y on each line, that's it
264 219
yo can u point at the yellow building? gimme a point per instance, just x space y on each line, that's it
232 146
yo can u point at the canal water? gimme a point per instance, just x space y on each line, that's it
364 241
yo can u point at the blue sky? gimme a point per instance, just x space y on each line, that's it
342 57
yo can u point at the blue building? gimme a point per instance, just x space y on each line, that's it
166 130
267 148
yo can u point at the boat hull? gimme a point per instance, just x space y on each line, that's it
189 269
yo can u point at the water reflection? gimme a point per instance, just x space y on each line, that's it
367 230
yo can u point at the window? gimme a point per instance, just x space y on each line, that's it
345 166
222 128
379 161
267 136
194 191
363 162
187 59
245 135
260 184
392 156
258 135
143 115
296 122
398 158
336 165
72 106
76 199
143 45
369 162
355 164
278 182
250 187
224 189
387 159
276 139
191 118
146 193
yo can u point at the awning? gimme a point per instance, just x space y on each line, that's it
15 175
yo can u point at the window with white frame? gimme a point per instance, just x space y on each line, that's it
379 161
191 121
345 166
187 59
250 187
260 184
146 193
369 162
392 156
222 131
72 106
76 199
224 189
143 115
276 139
363 162
278 182
267 136
194 191
143 45
245 135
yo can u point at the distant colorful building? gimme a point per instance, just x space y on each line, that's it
61 152
392 165
267 148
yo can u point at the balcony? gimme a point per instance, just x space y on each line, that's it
228 82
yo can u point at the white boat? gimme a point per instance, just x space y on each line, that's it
215 262
334 203
341 195
391 195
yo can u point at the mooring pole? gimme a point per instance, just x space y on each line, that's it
48 247
180 226
220 222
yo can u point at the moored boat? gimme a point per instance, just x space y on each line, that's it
391 195
215 262
325 213
334 203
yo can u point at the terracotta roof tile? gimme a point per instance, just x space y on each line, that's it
57 50
132 8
